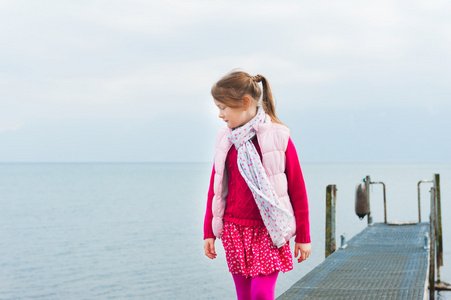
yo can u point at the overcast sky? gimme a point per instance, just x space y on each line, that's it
129 81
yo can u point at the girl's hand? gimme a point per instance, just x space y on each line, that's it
209 247
304 249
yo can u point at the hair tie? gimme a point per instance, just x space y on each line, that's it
257 78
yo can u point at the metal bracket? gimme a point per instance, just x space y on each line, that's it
343 241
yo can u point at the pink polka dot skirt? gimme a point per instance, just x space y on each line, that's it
250 251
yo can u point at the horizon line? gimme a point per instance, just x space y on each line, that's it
210 162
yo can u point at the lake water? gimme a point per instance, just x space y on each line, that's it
134 231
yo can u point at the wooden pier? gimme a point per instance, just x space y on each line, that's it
384 261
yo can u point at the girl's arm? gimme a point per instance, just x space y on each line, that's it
208 229
298 194
209 237
298 197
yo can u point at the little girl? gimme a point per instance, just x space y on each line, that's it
257 199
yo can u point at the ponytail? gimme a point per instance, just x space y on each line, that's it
267 99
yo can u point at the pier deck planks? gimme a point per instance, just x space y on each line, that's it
381 262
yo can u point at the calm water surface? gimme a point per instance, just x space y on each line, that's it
134 231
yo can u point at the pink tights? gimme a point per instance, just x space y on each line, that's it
260 287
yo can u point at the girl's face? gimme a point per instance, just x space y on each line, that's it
234 117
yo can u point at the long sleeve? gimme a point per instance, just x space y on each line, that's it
208 228
298 194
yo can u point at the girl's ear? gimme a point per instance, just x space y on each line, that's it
246 103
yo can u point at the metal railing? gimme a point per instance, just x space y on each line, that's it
385 199
419 202
368 182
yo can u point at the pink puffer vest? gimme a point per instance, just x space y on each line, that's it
273 141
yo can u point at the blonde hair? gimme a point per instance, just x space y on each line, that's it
233 87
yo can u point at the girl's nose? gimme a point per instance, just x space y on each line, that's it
221 115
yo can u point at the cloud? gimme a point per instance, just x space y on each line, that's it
131 61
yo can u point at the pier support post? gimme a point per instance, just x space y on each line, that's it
331 202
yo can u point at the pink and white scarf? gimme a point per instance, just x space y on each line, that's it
275 217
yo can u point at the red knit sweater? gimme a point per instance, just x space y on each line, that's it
240 204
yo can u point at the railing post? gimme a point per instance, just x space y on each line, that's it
385 204
439 225
419 202
367 183
331 202
432 224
